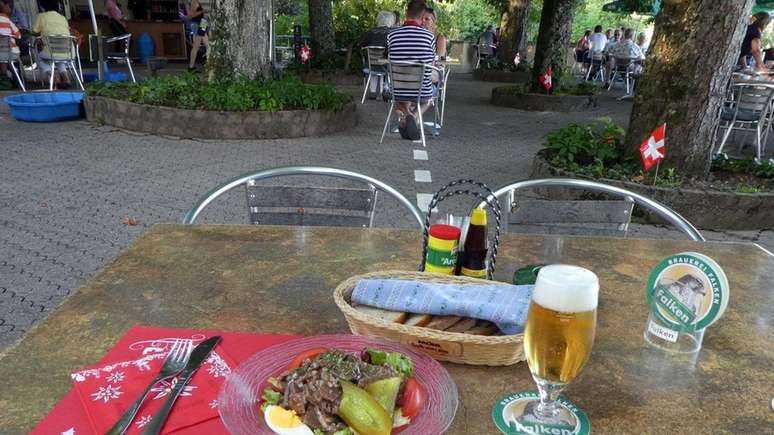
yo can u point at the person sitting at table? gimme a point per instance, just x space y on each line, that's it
429 22
751 45
486 42
642 42
49 23
8 28
609 34
412 43
582 47
377 37
597 40
627 49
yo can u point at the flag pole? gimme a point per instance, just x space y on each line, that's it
655 176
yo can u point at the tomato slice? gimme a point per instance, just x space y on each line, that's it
414 398
305 355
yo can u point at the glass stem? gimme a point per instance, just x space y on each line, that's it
549 392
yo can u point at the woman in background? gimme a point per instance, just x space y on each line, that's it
199 27
751 45
429 22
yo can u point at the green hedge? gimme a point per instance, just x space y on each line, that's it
189 91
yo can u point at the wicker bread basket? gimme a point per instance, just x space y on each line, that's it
455 347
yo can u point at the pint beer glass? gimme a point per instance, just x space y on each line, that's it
559 334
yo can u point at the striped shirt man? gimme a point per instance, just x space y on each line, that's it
8 28
411 42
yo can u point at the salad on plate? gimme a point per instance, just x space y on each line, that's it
334 392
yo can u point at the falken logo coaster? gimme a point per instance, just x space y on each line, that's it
514 414
687 292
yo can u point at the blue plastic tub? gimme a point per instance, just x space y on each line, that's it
117 76
46 106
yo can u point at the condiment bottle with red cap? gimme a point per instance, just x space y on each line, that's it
442 249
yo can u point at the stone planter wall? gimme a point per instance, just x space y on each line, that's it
711 209
490 75
501 96
206 124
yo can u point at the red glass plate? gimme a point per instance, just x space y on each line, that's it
241 392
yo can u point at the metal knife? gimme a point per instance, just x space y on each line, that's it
198 356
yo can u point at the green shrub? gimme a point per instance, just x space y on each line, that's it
188 91
599 142
758 168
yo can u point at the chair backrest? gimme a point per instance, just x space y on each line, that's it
485 50
376 56
310 206
321 198
659 209
604 218
407 75
60 47
598 56
623 63
754 98
6 55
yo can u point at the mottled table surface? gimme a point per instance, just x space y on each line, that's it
281 279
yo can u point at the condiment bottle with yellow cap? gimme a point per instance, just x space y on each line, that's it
442 249
473 261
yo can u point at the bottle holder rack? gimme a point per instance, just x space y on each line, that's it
481 192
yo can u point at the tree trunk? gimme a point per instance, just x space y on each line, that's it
321 28
694 47
514 26
240 39
553 40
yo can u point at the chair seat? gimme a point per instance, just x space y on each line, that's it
741 115
116 55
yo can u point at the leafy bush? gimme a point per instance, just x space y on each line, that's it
599 142
758 168
188 91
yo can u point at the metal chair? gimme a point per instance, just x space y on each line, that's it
123 54
8 57
602 218
749 110
484 51
407 76
62 49
266 204
659 209
376 61
596 63
624 67
440 100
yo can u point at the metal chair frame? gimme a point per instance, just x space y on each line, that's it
376 56
8 57
596 60
623 66
408 69
126 39
755 98
479 56
61 49
191 216
661 210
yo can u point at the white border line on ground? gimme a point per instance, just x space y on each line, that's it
420 155
423 201
422 176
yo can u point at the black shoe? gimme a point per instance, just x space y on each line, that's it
402 129
412 128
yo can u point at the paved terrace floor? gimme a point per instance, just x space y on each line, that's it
68 189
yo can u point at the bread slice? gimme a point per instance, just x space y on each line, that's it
386 315
443 322
462 326
418 319
483 327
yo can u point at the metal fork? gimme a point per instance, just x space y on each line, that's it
175 362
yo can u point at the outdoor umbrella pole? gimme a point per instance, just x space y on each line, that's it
100 62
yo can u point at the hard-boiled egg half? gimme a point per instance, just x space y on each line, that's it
285 422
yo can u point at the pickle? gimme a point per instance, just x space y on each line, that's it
385 391
362 412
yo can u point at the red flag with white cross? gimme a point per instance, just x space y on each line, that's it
545 79
653 149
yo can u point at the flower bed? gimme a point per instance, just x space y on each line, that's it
737 195
186 106
519 97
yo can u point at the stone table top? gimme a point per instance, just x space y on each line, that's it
280 280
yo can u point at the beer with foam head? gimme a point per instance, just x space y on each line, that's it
561 323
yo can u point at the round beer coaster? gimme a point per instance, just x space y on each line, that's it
687 292
514 414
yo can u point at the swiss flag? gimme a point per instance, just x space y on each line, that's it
653 149
306 53
545 79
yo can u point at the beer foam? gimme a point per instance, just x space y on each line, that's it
567 289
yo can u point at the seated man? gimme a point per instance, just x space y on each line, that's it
50 23
412 43
377 37
7 28
627 49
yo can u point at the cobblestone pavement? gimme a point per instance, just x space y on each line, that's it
69 190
